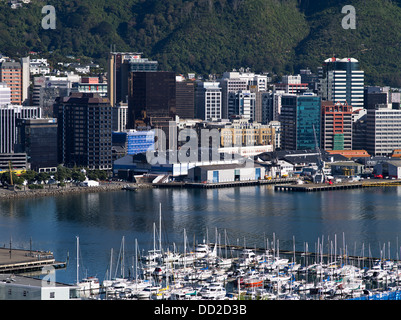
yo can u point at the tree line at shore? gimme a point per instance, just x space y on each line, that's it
36 179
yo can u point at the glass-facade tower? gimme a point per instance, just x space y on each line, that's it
300 120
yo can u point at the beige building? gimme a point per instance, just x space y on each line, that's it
244 133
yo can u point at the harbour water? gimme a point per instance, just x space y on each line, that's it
361 220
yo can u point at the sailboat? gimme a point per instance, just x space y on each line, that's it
88 286
155 255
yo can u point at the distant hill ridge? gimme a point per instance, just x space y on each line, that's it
213 36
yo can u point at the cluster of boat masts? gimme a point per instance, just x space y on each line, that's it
205 274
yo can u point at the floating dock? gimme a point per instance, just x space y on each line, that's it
22 261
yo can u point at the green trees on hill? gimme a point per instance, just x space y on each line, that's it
204 36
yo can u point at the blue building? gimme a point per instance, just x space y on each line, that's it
140 141
134 142
300 121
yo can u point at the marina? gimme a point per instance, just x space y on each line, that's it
265 244
212 271
253 274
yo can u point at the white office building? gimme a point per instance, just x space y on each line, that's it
236 81
120 117
15 287
8 128
242 103
343 82
383 130
208 101
5 94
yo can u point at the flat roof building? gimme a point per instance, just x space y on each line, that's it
343 81
120 65
38 139
5 94
185 99
16 287
208 100
300 122
336 126
8 124
383 131
84 131
151 95
11 73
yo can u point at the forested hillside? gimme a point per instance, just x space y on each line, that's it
213 36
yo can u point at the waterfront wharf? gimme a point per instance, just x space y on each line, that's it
311 187
22 261
225 184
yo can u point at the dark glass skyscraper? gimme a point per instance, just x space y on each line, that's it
38 139
120 64
84 131
152 95
300 121
185 99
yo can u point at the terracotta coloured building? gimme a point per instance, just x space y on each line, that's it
336 126
11 74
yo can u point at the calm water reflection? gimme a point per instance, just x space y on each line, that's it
369 217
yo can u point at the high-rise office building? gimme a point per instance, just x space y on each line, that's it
235 81
310 78
120 114
120 65
11 73
300 122
25 81
271 106
374 96
185 99
343 81
84 131
230 83
336 126
47 88
38 139
8 124
242 103
152 95
383 130
208 100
